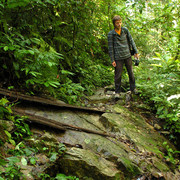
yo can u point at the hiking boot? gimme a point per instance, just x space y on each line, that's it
135 91
117 95
128 96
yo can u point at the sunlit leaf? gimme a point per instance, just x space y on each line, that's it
7 133
24 161
158 54
31 52
12 142
87 141
6 48
61 177
157 65
66 72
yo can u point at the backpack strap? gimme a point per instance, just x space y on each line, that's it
128 40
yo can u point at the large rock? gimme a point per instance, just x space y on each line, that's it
81 162
100 96
136 148
134 128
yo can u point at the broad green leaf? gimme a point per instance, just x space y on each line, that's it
12 142
158 54
45 148
33 160
2 5
50 64
13 159
11 48
18 146
24 161
53 156
4 101
31 52
11 87
35 74
30 81
64 177
8 134
54 84
35 40
61 177
6 48
28 151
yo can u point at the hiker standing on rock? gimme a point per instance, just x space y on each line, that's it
121 48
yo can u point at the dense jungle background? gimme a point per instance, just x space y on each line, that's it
59 48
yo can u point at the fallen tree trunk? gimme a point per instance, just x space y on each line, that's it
57 125
18 96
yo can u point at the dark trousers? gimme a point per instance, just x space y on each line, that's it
118 74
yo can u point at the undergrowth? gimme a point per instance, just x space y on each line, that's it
157 81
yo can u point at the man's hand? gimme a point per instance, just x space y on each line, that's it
114 63
136 56
136 62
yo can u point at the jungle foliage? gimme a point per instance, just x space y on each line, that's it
60 48
52 46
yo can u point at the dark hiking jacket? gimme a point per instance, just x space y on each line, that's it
119 44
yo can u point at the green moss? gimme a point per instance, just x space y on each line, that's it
160 165
132 168
80 161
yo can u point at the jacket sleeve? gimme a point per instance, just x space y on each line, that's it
131 41
111 46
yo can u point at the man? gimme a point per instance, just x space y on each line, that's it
119 43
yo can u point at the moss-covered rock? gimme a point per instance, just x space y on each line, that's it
135 149
83 163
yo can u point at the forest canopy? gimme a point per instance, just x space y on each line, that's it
60 48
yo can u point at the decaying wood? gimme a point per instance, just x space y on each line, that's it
58 125
35 99
46 121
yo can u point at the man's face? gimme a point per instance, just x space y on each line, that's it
117 24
